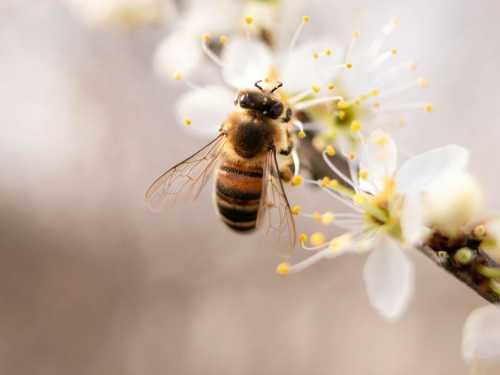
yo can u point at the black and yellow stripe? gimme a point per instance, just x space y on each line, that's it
238 191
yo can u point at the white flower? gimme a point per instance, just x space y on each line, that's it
257 20
243 62
385 214
125 13
180 50
481 334
342 90
379 90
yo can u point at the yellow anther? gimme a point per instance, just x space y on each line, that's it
422 82
223 39
356 34
178 76
331 86
382 140
283 269
316 89
187 121
342 104
428 107
306 19
328 52
301 134
376 104
348 66
303 238
341 115
334 184
327 218
412 66
296 210
248 20
317 216
396 22
351 156
394 51
330 150
363 174
402 121
324 182
358 198
206 37
375 92
297 180
479 231
315 55
317 239
355 126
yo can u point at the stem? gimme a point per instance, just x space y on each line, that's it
469 274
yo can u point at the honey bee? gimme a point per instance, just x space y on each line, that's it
244 157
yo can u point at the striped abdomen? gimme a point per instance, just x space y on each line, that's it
237 195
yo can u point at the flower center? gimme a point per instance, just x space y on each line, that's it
383 210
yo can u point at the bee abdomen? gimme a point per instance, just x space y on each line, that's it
237 194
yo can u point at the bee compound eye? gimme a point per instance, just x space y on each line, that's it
243 100
275 110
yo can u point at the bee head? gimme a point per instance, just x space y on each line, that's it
263 102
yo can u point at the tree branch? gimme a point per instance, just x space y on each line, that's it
443 252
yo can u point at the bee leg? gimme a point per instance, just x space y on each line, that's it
287 170
287 151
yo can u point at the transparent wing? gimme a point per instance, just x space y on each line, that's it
275 213
187 178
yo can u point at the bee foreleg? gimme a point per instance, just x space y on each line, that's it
287 170
287 151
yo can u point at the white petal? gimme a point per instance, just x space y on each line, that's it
481 336
419 172
389 279
207 108
300 71
179 52
245 62
412 218
379 158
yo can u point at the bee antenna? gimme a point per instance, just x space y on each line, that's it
258 86
280 84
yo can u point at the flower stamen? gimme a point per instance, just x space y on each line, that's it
355 35
296 35
314 102
387 30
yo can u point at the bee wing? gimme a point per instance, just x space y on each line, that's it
188 177
274 211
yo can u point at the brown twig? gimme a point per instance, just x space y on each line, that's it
442 251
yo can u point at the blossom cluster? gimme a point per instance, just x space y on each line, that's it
349 99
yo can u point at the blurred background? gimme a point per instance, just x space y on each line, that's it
92 282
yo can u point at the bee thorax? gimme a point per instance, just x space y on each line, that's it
251 138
